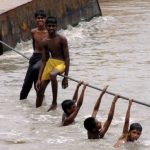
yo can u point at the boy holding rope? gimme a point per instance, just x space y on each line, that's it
55 60
133 133
95 129
70 107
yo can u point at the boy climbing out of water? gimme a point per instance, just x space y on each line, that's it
38 34
95 129
70 107
55 61
133 133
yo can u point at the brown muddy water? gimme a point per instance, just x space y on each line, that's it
111 50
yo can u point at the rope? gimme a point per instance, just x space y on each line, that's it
91 86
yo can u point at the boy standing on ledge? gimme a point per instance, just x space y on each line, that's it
38 34
55 61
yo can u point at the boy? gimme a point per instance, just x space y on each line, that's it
38 34
93 126
70 108
55 60
133 133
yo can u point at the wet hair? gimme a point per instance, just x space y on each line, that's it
40 13
89 123
66 104
51 20
135 126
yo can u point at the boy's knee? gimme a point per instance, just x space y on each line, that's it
40 92
53 76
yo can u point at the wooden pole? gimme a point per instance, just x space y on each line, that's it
111 93
13 49
91 86
1 47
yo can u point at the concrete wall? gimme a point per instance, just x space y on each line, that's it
15 24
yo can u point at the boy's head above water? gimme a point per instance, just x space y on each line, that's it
68 106
135 132
91 124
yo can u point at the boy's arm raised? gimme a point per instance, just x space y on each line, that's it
97 105
75 96
127 118
110 117
71 117
80 100
126 125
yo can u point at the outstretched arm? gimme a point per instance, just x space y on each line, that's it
127 118
126 125
71 117
80 100
110 117
96 107
75 96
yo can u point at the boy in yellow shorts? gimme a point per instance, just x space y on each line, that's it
52 64
55 60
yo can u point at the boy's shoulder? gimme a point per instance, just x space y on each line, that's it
34 30
123 137
120 142
61 37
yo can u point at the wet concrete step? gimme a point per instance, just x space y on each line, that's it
17 16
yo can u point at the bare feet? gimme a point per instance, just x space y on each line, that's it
52 107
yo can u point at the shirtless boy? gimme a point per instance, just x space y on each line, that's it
95 129
55 60
129 135
38 34
70 107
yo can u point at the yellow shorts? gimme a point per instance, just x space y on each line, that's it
51 65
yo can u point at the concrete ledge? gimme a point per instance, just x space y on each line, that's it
16 21
7 5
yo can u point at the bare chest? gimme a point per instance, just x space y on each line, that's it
40 36
55 46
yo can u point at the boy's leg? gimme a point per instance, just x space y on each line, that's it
36 73
110 116
27 85
40 93
54 84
